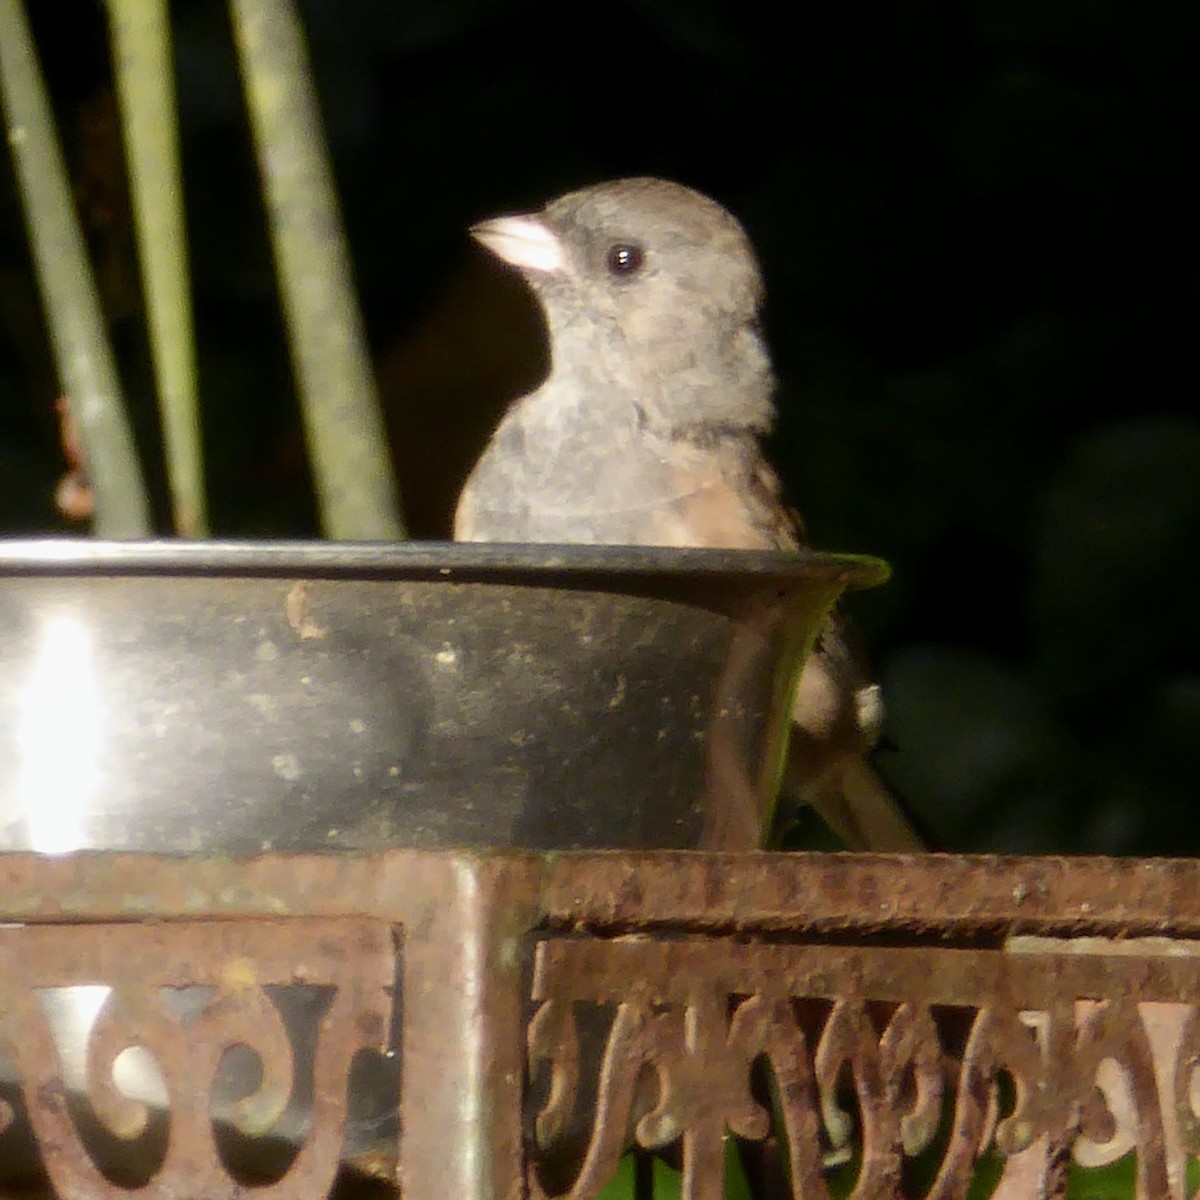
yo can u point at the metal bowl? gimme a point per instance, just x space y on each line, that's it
211 698
207 697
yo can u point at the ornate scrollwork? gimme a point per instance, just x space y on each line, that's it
239 980
879 1055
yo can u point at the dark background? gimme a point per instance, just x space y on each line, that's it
977 221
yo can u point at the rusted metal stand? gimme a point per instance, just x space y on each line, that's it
533 1017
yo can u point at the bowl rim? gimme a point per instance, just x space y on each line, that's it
413 559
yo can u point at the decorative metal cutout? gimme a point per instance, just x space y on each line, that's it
1035 1051
862 1025
274 1010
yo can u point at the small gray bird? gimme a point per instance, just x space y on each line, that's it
646 432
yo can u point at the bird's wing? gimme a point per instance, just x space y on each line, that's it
725 495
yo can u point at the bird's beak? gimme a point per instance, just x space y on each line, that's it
526 242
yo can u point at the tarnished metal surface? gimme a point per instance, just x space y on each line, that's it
890 1022
200 698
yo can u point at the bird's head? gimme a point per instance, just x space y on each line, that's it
659 277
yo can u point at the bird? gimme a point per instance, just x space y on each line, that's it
647 431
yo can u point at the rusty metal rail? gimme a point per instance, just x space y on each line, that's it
528 1019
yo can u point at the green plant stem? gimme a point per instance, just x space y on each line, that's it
141 40
356 492
83 355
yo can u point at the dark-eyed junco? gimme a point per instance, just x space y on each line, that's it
645 432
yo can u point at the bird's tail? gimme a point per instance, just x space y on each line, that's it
858 806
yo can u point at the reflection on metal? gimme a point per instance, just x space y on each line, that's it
891 1021
59 736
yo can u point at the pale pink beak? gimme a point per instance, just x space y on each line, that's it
525 242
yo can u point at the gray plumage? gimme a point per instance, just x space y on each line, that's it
645 432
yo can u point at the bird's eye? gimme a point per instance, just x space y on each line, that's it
625 258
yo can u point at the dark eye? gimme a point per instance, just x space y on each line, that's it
625 258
